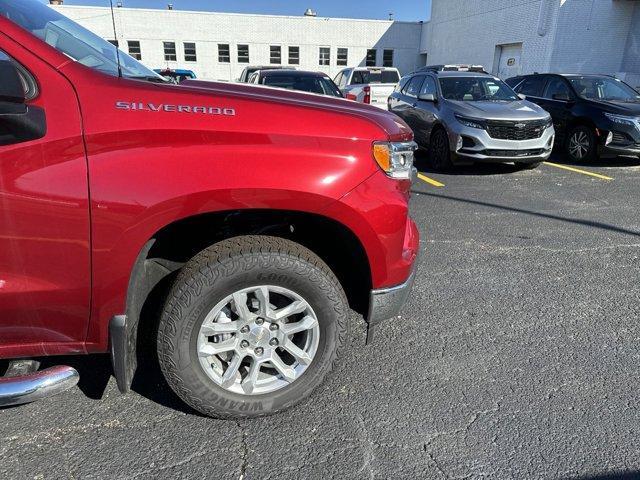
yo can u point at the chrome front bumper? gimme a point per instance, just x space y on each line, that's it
37 385
385 303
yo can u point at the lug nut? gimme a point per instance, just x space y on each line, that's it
244 344
259 321
273 342
259 351
245 329
273 326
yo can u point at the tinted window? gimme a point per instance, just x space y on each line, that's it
475 89
275 55
429 86
402 84
190 52
319 85
532 86
294 55
376 76
224 54
387 58
413 88
371 58
343 56
243 53
557 86
604 88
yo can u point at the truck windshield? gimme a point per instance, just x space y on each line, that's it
476 89
604 88
73 40
361 77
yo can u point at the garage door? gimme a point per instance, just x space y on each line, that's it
510 65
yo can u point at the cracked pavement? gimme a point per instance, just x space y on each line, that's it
517 356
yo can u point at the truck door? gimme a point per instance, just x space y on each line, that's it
44 211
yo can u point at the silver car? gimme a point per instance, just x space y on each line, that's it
466 117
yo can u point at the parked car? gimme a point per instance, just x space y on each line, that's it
313 82
593 115
248 71
371 85
464 117
176 75
229 230
453 68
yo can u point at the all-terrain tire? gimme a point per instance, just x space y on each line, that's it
217 272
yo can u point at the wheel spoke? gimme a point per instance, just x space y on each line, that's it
209 349
297 353
218 328
229 377
297 306
285 370
240 301
306 323
249 382
262 294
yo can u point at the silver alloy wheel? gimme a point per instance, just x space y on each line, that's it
258 340
579 144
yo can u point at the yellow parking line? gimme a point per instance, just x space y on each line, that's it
577 170
430 181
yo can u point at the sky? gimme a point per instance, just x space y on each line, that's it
409 10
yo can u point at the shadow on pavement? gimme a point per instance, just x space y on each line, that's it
612 476
586 223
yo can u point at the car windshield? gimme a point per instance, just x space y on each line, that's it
476 89
374 76
604 88
320 85
73 40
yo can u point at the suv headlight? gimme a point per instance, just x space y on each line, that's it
623 120
470 122
395 158
549 123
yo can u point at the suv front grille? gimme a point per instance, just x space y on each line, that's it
508 130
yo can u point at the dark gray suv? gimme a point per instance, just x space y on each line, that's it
466 117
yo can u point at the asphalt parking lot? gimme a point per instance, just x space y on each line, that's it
518 356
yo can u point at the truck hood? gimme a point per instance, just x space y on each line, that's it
393 126
516 110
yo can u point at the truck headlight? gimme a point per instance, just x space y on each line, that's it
470 122
624 120
395 158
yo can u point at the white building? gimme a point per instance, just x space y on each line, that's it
511 37
219 45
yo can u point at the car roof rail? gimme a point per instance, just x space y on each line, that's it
453 68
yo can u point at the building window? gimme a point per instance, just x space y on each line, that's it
372 59
224 55
190 52
114 43
243 53
275 56
387 58
134 49
325 56
294 55
170 51
343 56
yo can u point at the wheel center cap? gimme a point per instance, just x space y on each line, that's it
259 336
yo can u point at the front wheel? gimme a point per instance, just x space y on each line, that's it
439 153
252 325
581 144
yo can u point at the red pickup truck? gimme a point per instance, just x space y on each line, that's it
233 226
